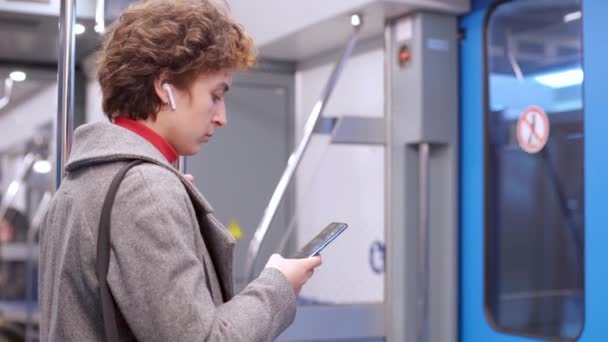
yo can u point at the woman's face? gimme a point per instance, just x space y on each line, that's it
200 109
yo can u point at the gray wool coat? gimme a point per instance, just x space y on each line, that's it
163 236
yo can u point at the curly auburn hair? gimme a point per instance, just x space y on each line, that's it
174 39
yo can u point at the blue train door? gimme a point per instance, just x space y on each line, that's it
534 164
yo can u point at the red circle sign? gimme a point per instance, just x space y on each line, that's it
533 129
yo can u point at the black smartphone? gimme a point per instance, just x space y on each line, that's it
316 245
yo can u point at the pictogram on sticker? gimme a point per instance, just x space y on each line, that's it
533 129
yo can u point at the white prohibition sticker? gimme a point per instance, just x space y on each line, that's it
533 129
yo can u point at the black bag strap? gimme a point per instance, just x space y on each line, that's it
103 255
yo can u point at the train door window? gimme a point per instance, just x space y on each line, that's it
534 179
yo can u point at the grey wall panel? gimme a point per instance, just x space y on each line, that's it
422 286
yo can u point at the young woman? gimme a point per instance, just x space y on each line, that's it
164 70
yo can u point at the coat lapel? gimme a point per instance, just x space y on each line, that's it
218 241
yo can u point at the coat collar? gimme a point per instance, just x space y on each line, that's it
103 142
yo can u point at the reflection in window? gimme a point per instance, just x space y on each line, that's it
535 200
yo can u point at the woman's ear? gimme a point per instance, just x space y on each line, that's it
160 91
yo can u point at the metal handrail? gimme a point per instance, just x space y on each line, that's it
65 91
295 158
389 295
423 243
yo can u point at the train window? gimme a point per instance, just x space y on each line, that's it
534 179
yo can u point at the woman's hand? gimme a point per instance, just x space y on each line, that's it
297 271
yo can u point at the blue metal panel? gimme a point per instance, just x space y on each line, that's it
473 326
596 169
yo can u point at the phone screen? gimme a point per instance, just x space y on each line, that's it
316 245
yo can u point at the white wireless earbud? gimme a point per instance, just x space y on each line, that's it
169 91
